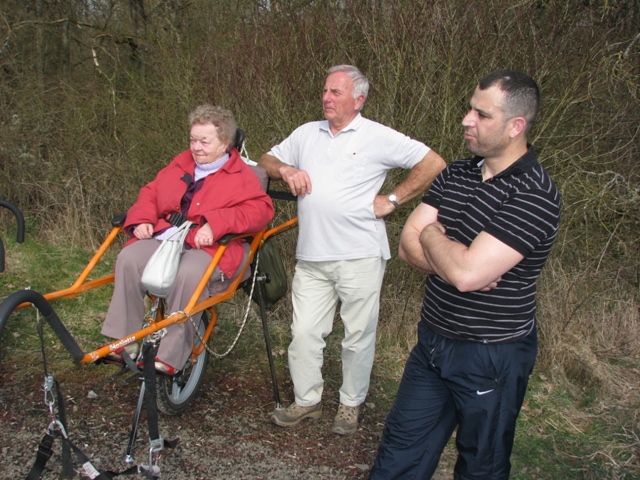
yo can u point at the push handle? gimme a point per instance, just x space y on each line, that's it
20 236
16 211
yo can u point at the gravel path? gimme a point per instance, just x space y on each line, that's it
225 435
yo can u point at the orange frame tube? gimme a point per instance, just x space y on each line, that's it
193 306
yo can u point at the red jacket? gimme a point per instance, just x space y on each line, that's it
231 200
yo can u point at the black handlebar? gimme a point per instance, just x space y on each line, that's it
16 211
44 307
20 236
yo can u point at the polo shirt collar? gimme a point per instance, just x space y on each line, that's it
523 165
353 126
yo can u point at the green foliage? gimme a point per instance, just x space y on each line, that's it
94 97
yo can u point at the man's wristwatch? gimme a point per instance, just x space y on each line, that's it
393 199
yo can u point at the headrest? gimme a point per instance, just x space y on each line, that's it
239 139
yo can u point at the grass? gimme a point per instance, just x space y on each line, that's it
565 430
47 269
559 436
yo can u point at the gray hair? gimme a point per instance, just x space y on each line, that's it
359 81
220 118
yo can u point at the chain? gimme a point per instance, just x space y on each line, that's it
244 320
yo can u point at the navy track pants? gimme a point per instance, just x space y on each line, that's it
446 383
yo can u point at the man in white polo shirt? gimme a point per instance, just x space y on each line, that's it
336 168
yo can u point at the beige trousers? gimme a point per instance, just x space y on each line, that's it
316 289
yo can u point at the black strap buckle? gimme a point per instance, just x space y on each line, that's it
176 219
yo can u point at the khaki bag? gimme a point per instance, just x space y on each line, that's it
270 264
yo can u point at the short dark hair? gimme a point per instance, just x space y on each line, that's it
522 96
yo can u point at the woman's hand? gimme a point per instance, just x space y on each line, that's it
143 231
204 236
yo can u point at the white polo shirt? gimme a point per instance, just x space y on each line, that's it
336 221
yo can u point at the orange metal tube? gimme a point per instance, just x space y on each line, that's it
191 308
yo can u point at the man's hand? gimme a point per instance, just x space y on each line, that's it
382 206
437 225
204 236
298 180
491 285
143 231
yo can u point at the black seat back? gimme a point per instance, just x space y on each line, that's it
240 137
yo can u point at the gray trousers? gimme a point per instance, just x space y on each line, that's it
127 311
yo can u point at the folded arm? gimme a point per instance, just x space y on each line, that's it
411 250
478 267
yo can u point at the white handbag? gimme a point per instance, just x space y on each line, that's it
159 275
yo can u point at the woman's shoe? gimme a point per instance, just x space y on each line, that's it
116 356
164 367
161 367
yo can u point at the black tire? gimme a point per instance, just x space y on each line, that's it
175 393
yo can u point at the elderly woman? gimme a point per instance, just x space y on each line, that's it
213 188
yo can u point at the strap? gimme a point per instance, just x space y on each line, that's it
150 396
91 471
176 219
149 369
67 467
42 457
129 362
45 451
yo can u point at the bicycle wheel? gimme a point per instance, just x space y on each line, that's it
175 393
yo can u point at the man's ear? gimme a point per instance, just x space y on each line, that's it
360 102
518 125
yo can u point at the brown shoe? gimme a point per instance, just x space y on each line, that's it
346 420
294 414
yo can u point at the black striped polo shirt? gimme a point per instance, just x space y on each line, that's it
520 207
